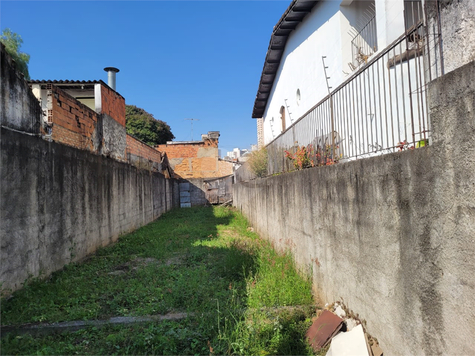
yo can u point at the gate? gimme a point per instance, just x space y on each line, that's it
219 190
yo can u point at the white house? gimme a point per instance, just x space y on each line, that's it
316 46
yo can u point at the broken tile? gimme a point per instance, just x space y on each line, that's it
323 329
376 350
339 311
351 343
351 324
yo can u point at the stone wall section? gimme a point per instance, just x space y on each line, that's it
19 109
456 34
114 142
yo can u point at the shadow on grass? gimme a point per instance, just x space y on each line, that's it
196 260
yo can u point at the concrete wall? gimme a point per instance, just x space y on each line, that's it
197 192
392 236
457 25
60 204
206 191
18 108
114 143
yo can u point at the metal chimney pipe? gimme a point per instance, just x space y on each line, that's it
111 76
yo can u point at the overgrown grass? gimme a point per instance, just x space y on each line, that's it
205 261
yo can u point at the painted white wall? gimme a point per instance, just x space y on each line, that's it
81 94
354 16
301 67
389 21
42 97
324 32
98 98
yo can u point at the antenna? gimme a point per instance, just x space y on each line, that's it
192 126
326 76
331 106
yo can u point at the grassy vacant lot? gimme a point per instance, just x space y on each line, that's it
238 293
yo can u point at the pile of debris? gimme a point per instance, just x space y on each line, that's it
345 334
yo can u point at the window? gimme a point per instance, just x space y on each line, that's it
365 42
282 117
412 12
412 16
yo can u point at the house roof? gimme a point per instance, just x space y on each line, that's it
294 14
71 84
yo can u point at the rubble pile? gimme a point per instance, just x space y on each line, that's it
344 333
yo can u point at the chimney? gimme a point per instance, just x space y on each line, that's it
111 76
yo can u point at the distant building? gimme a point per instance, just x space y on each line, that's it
196 159
238 153
75 113
204 177
318 45
90 115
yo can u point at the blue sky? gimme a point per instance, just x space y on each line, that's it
177 59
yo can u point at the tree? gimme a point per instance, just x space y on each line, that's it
145 127
12 43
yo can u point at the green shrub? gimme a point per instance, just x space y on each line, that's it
258 162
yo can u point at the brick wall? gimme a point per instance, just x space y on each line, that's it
136 148
197 159
225 168
74 124
185 150
113 104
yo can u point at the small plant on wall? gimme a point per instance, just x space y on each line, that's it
300 158
404 145
310 156
258 162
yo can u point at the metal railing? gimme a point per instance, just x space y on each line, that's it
413 13
364 44
382 108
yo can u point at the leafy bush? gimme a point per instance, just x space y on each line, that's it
12 42
258 162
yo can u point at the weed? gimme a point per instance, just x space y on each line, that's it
204 261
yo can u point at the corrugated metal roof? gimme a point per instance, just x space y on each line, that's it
77 84
49 81
294 14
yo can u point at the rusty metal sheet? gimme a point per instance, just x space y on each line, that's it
219 190
323 329
212 196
